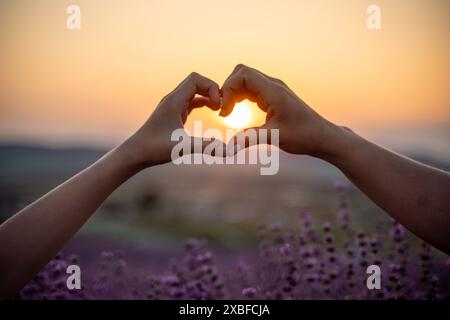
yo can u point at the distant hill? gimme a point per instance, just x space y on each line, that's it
27 159
21 160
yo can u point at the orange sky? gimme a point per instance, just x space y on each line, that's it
98 84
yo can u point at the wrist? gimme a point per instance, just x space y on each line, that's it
132 155
339 142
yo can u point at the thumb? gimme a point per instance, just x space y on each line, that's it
249 137
209 146
188 145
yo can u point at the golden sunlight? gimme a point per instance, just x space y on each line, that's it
240 117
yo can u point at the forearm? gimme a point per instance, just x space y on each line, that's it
37 233
414 194
33 236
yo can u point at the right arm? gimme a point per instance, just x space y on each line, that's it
416 195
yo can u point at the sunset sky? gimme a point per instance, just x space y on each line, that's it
98 84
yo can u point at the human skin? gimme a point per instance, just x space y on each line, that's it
33 236
414 194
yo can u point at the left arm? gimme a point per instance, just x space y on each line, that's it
32 237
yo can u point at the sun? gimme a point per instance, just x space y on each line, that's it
240 117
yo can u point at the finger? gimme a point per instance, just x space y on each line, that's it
198 84
244 82
209 146
199 102
249 137
213 147
198 145
230 97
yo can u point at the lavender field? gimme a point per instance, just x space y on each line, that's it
303 262
228 233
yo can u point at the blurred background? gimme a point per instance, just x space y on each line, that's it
67 96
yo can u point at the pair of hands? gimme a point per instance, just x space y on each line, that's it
301 129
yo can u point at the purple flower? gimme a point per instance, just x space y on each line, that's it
249 292
325 262
286 249
170 280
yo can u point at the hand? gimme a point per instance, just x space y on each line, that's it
302 130
151 144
